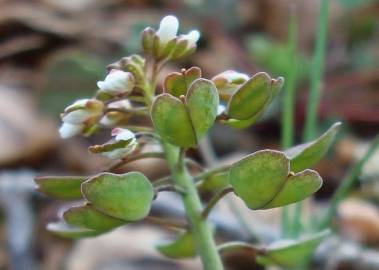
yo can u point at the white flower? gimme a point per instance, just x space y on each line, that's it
68 130
168 28
82 111
192 37
125 143
112 118
117 82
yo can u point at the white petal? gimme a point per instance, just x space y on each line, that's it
69 130
192 38
168 28
78 103
122 134
220 109
78 116
120 104
117 82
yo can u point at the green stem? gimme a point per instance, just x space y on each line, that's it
348 183
315 91
317 73
211 172
205 244
287 138
214 201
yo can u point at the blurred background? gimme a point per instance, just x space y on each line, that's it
53 52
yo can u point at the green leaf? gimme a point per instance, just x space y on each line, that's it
124 196
182 247
202 102
87 217
289 254
214 182
276 86
308 154
263 180
172 121
244 123
296 188
61 187
65 230
177 84
250 98
257 178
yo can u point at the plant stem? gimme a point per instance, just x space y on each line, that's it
214 201
348 183
232 246
211 172
205 244
287 136
317 71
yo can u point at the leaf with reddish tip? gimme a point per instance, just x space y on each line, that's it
177 84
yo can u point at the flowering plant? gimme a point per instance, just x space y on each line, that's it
182 112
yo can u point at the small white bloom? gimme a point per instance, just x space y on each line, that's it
168 28
68 130
220 109
117 82
112 118
82 110
192 38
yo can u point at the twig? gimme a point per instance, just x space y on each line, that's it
134 158
214 201
211 172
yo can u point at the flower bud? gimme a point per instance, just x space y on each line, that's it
228 81
192 38
111 119
83 111
168 29
117 82
124 143
68 130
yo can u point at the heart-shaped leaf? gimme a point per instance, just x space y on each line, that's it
262 180
307 155
202 102
276 86
87 217
65 230
289 254
172 121
250 98
182 247
177 84
125 196
296 188
61 187
257 178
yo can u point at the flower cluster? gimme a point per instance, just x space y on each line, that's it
165 43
